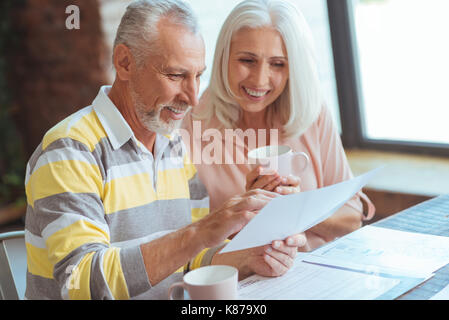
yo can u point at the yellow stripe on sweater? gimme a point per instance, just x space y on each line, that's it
189 168
172 184
63 176
79 281
128 192
59 244
196 262
87 130
199 213
113 273
37 261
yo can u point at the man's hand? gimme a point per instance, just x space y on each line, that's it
166 254
271 260
232 216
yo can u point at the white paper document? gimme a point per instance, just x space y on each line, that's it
381 248
306 281
442 295
291 214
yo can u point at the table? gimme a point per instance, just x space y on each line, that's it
431 217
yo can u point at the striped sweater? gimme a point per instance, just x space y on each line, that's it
94 194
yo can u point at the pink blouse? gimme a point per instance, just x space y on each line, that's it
321 142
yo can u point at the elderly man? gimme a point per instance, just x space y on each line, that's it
111 192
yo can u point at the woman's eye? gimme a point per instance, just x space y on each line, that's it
278 64
246 60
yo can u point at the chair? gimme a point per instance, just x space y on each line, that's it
13 265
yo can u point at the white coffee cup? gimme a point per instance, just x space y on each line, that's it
216 282
278 158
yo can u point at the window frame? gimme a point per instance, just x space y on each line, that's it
349 90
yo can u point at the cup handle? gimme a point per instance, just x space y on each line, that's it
172 287
305 156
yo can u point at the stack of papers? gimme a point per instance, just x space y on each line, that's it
370 263
387 249
307 281
442 295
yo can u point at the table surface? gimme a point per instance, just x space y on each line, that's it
431 217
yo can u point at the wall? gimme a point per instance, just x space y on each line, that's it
56 71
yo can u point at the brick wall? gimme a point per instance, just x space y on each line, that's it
55 71
111 12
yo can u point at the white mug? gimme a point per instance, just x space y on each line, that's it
278 158
209 283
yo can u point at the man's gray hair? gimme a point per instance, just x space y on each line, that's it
138 27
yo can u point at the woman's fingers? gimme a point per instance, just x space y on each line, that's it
262 178
278 261
289 184
291 180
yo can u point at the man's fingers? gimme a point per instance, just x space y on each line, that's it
261 192
253 203
238 220
254 200
253 194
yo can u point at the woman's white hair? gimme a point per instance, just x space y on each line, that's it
300 103
138 26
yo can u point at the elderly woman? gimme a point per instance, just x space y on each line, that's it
264 77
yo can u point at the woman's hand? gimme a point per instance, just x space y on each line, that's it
271 260
277 258
270 180
289 185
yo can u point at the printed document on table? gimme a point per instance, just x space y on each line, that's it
291 214
307 281
382 248
442 295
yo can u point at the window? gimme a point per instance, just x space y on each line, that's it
392 63
211 15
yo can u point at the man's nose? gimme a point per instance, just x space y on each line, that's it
190 91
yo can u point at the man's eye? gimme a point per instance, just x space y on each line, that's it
175 76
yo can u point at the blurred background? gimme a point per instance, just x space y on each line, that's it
383 67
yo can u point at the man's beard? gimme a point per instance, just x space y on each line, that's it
151 120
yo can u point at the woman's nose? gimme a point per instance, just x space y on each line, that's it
261 74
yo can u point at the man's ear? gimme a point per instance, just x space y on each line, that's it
123 61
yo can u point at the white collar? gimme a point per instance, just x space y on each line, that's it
116 127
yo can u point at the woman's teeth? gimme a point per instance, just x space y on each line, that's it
255 93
